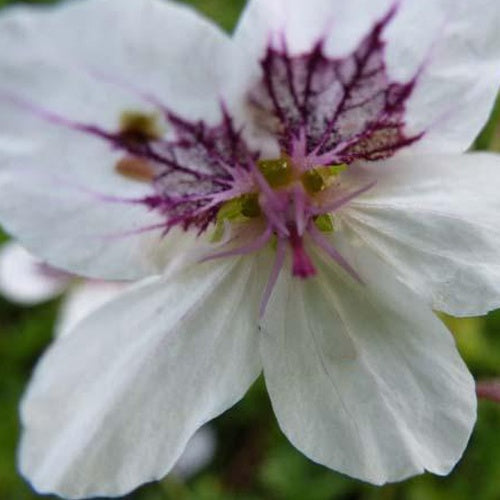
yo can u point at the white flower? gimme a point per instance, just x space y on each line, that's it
309 168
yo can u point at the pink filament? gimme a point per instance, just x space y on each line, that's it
273 278
335 205
252 247
325 245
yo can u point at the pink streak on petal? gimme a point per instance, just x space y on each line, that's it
136 232
252 247
325 245
273 278
332 207
489 390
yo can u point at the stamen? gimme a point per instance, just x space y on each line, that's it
324 223
252 247
300 211
273 278
342 201
278 172
313 182
135 168
324 244
141 127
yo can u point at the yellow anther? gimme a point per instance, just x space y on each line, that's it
313 181
318 179
278 172
324 223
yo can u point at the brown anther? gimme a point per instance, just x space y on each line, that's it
135 168
136 127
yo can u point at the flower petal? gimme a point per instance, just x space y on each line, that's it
64 70
456 49
402 402
433 219
450 47
82 299
301 25
23 279
113 404
198 453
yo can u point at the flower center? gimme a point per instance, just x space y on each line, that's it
291 200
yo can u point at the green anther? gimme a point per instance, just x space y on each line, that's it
313 181
250 206
324 223
231 210
140 125
317 179
336 170
236 210
278 173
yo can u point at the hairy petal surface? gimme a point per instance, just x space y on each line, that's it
63 94
433 219
394 400
113 404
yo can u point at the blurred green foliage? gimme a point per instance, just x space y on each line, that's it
254 460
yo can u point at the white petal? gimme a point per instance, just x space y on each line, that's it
402 402
114 403
302 25
67 59
83 299
455 45
88 62
198 453
452 45
70 221
22 278
434 220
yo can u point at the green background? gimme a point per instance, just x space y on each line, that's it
254 460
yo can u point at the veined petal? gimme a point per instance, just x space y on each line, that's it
24 280
84 298
113 404
69 76
393 401
449 48
51 60
433 219
456 46
301 25
82 216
